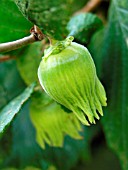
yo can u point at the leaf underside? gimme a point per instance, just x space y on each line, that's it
50 16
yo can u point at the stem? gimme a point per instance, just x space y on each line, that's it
36 35
6 58
90 6
9 46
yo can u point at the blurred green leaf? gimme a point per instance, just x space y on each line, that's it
52 123
25 150
28 62
115 53
83 26
23 136
101 159
64 158
50 16
9 168
96 48
9 111
13 24
11 83
31 168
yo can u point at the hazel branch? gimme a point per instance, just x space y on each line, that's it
36 35
6 58
90 6
9 46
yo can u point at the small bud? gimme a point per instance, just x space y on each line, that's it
68 75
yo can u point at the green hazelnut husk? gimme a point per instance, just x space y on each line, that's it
67 73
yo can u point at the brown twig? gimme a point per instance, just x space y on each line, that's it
9 46
90 6
6 58
36 35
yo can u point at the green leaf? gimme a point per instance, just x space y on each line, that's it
52 123
9 111
96 48
115 53
13 24
9 168
28 62
23 136
50 16
11 83
64 158
83 26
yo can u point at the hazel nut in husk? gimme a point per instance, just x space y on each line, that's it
68 75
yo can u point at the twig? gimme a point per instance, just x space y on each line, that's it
36 35
6 58
90 6
9 46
